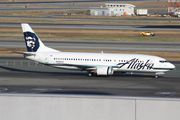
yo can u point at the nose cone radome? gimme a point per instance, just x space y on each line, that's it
171 66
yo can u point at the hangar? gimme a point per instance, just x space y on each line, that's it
112 9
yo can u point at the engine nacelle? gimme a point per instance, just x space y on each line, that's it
105 71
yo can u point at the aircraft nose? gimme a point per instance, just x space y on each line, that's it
172 66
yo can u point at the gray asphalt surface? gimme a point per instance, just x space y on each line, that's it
55 3
67 5
95 26
98 45
30 78
9 9
55 17
27 77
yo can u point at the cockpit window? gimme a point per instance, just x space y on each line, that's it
163 61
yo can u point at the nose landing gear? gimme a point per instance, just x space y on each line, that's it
156 76
158 73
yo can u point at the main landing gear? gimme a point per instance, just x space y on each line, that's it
158 73
91 73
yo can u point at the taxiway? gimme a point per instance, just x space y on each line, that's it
28 77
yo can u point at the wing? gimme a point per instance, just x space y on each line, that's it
78 66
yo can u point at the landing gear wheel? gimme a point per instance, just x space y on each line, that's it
156 76
90 74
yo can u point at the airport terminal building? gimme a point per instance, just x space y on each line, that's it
113 10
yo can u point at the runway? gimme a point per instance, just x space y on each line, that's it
28 77
95 26
58 17
98 45
67 2
19 75
9 9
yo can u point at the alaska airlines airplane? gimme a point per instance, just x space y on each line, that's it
98 63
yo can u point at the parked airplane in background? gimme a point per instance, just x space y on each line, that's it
99 63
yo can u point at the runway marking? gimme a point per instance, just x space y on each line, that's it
14 92
45 89
166 93
3 89
147 78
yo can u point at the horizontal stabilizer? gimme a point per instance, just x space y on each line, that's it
24 53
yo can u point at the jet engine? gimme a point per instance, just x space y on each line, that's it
105 70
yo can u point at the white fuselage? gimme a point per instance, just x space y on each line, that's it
92 61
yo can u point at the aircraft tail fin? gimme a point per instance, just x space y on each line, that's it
33 43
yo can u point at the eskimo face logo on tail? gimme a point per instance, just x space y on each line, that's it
32 42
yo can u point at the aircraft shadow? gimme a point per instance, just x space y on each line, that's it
34 71
77 73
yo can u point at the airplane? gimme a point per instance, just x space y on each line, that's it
99 64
